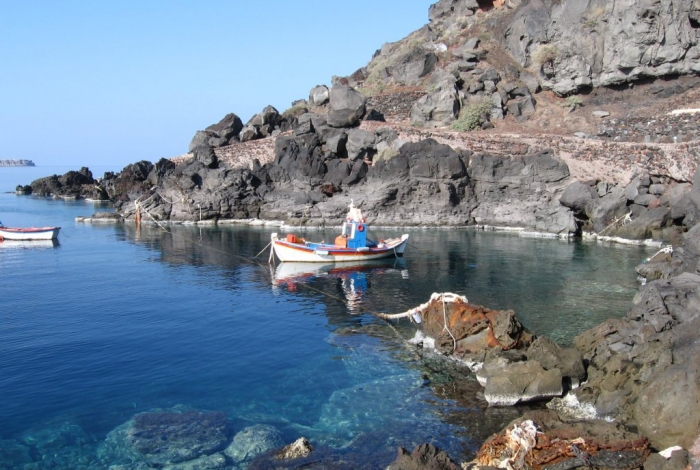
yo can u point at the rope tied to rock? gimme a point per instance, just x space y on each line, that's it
415 314
622 219
445 327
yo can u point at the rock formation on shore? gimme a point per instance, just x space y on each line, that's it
393 135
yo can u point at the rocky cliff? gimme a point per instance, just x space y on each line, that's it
551 116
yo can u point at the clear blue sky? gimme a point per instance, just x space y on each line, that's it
113 82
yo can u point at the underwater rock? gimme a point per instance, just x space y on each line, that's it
296 450
166 437
60 444
13 454
252 441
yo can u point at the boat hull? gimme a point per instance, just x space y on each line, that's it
33 233
299 252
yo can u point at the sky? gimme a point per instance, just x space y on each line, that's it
85 83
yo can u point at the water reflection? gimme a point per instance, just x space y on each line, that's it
28 244
353 280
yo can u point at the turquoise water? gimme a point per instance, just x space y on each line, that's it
112 321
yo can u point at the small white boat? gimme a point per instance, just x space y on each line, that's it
29 233
351 245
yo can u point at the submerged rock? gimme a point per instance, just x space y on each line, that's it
296 450
13 454
167 437
252 441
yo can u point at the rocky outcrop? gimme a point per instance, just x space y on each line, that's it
218 135
423 457
642 369
578 45
646 208
510 363
73 184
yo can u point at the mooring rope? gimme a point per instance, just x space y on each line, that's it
445 328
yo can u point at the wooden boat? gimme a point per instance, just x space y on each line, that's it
351 245
29 233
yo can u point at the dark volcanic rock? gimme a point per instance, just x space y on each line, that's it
643 369
423 457
230 126
346 107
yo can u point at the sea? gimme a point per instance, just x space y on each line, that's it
113 320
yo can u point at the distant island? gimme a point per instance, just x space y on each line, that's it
16 163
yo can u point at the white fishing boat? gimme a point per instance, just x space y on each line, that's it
351 245
28 233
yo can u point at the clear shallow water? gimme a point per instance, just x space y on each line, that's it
113 321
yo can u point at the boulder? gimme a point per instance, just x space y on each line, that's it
168 437
413 66
423 457
249 133
229 127
607 210
435 109
552 356
667 407
205 155
347 106
509 383
576 196
336 142
269 116
360 144
319 95
201 138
